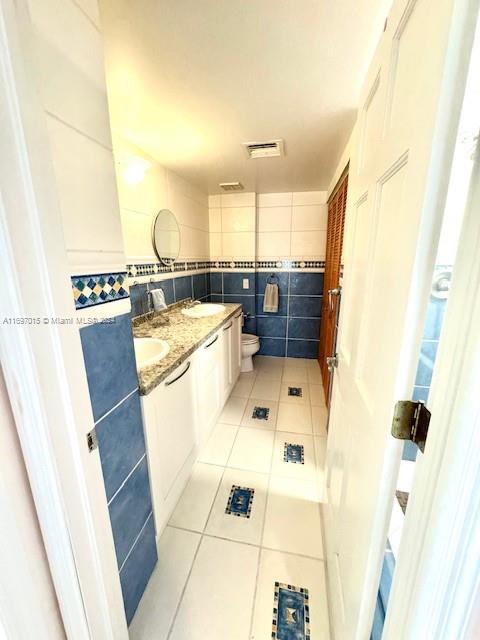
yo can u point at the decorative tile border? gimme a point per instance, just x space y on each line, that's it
291 613
294 453
260 413
97 289
153 268
296 392
240 502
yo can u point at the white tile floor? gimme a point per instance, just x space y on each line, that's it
216 572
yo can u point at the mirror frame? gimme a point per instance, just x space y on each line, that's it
167 262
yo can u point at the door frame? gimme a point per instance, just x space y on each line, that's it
43 363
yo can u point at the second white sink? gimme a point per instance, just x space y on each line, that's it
149 350
203 310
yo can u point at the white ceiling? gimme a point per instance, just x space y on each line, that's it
190 80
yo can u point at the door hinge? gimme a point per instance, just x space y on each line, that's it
410 422
332 362
92 441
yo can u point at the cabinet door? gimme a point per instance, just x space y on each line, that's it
236 346
209 385
226 363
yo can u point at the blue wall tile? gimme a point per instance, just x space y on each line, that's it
428 354
272 327
420 394
109 362
434 321
216 282
121 442
183 288
305 306
247 302
302 348
167 286
216 297
250 325
199 285
233 283
138 569
305 328
139 299
129 510
282 306
272 347
281 277
306 284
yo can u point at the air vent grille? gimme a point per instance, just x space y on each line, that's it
231 186
267 149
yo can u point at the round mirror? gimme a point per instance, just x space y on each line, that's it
166 236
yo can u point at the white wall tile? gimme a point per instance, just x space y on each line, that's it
308 243
238 245
214 201
274 218
238 219
309 217
87 191
309 197
238 199
273 244
274 199
215 245
136 236
70 66
215 220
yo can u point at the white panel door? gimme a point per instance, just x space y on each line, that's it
387 214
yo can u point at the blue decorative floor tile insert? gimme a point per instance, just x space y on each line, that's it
291 613
294 453
240 501
260 413
295 391
98 289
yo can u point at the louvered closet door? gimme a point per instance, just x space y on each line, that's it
336 223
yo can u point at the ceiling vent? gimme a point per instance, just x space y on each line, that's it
268 149
231 186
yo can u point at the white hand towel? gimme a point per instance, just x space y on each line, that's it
270 301
158 299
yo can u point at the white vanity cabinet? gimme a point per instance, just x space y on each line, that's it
180 413
169 419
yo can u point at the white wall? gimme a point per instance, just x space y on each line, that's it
24 570
158 189
232 226
68 56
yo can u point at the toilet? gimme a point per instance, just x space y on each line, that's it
250 346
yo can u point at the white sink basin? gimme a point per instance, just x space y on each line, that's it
149 350
203 310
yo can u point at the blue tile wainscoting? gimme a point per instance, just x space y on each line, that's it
227 286
177 288
294 330
113 385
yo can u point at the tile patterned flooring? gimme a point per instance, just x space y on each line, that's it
218 573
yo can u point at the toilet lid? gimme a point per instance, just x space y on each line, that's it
248 338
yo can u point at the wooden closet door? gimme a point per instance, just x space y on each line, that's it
336 223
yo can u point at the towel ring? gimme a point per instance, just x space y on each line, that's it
272 279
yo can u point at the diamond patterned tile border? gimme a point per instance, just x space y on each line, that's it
97 289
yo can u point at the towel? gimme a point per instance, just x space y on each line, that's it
270 302
158 299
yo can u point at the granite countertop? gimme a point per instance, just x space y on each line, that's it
183 334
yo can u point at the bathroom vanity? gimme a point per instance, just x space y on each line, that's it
183 392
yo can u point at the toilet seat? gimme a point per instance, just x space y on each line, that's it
248 338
